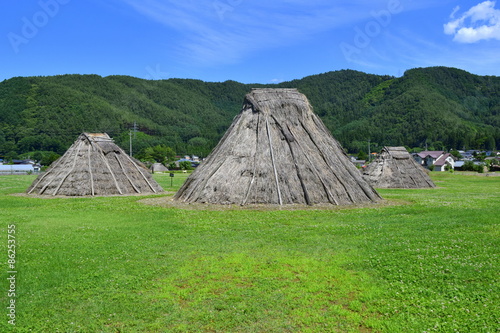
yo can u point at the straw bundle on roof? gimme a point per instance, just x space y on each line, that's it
277 151
94 165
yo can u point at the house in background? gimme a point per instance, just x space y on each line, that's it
26 161
19 169
439 159
445 160
459 165
358 163
466 155
192 158
178 162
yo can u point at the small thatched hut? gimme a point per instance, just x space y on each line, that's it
158 167
277 151
396 168
94 165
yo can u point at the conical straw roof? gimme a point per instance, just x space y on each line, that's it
95 165
396 168
277 151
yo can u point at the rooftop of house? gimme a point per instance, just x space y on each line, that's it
18 167
431 153
442 159
26 161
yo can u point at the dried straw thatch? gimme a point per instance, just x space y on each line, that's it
396 168
277 151
158 167
94 165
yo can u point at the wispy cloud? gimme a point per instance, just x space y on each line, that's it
481 22
223 31
411 50
455 10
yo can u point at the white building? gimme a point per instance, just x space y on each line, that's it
19 169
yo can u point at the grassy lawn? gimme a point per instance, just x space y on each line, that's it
112 264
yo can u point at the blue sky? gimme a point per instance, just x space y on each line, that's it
258 41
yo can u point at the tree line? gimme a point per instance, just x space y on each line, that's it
436 107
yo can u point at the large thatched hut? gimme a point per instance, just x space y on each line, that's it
95 165
277 151
396 168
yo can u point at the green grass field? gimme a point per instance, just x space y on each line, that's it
427 263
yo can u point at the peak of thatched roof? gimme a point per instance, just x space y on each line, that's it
399 153
396 168
158 167
94 165
98 136
277 151
268 100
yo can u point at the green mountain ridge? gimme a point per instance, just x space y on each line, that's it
437 106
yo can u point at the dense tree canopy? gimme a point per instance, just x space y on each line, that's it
440 107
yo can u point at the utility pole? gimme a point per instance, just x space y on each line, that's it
369 152
134 129
130 137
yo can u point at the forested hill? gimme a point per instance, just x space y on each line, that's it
438 106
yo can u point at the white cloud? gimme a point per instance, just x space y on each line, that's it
481 22
410 50
455 10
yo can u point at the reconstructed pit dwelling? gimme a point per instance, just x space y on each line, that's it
95 165
277 151
396 168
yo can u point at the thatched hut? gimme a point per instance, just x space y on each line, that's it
158 167
95 165
396 168
277 151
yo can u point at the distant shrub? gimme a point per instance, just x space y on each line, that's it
470 166
456 154
185 165
492 165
